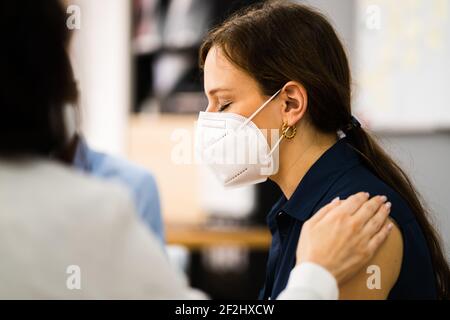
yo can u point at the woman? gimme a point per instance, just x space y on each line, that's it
65 236
281 65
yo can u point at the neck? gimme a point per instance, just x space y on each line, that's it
298 155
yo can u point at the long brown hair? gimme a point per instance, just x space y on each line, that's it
276 42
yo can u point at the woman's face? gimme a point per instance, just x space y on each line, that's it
229 89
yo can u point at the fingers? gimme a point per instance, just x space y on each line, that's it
322 212
377 220
378 239
350 205
370 209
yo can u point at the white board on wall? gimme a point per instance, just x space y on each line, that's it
402 66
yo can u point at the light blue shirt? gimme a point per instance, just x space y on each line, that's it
137 180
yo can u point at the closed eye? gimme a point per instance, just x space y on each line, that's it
223 107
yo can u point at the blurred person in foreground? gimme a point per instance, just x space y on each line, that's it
53 218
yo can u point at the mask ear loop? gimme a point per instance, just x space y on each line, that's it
254 115
275 146
258 110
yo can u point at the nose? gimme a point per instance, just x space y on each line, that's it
209 108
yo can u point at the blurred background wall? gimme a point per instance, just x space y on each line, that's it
101 55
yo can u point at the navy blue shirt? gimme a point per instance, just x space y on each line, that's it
341 172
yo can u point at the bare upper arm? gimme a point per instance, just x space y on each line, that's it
387 263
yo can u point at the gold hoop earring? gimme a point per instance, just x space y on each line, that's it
288 131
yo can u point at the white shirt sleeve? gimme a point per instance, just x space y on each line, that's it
310 281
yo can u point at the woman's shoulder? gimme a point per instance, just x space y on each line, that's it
377 279
407 239
380 275
360 178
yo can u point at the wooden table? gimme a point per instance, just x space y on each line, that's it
198 237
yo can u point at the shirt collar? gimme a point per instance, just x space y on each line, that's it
317 181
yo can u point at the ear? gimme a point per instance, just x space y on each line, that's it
295 101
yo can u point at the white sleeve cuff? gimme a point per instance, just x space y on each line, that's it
313 278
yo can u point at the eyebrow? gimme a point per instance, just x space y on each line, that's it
213 91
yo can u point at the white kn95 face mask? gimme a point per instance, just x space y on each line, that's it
235 149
